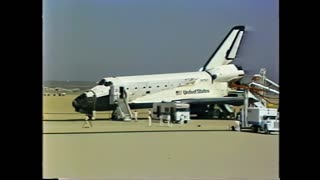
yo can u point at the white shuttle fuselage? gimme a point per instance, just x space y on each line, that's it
209 85
167 87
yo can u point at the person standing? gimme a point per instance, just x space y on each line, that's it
169 120
181 119
161 120
150 117
150 113
87 123
135 115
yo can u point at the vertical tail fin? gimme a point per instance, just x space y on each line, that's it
227 50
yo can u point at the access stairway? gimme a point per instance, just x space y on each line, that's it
118 97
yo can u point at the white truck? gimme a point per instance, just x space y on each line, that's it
263 119
255 113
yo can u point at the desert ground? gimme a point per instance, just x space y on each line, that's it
201 149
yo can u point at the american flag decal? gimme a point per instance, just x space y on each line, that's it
178 92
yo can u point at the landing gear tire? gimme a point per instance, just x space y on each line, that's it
90 117
236 128
113 115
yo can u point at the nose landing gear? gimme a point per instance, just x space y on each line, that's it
89 117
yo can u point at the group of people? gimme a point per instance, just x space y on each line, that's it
88 123
135 113
150 118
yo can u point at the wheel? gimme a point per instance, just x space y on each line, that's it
255 129
238 116
113 115
265 129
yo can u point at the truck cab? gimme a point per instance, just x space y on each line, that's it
270 124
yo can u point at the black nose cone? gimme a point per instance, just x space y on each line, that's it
83 103
79 102
75 105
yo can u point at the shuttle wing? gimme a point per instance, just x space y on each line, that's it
236 101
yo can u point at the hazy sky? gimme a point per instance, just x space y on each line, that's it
91 39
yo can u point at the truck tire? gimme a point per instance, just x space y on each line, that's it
254 129
265 129
238 116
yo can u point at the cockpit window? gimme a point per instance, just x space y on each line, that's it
108 83
104 82
101 82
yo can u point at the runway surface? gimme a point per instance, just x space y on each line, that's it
217 154
132 150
